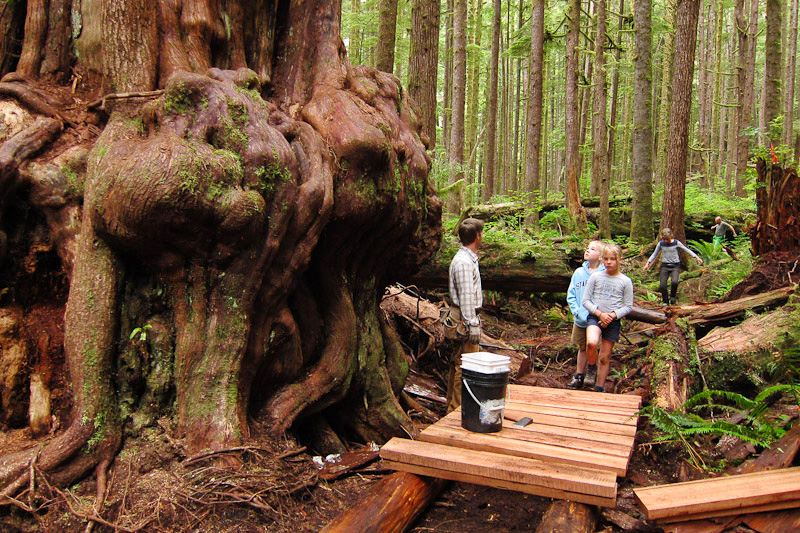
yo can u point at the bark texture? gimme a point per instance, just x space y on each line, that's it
423 60
675 171
249 215
642 207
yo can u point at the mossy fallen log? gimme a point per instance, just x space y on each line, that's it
696 226
505 267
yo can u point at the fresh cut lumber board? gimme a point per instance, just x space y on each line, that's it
532 476
723 496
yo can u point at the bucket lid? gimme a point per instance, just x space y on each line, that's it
486 358
485 362
485 369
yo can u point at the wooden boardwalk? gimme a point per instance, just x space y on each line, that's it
576 446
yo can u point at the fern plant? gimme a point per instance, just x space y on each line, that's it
708 251
682 425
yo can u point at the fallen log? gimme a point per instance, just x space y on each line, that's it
648 316
391 506
755 333
719 312
670 379
504 267
568 517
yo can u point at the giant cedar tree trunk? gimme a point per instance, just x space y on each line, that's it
251 214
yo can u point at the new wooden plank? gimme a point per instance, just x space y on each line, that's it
506 443
572 411
602 398
577 404
496 466
567 438
625 405
747 509
502 484
575 423
720 494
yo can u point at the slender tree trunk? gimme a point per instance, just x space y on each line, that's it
387 30
599 127
665 101
476 67
744 77
571 121
612 132
456 152
642 210
356 33
719 79
491 124
585 95
535 91
447 120
423 62
771 104
791 67
702 141
672 208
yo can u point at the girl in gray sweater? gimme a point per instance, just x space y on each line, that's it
608 297
669 247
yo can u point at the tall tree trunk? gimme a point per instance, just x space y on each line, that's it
771 99
615 87
535 92
675 172
447 105
490 176
791 68
600 166
665 101
387 30
356 33
701 144
642 210
746 23
476 64
719 79
423 62
571 121
456 152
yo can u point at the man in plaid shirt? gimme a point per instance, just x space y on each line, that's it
467 297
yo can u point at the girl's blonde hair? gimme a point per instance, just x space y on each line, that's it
614 249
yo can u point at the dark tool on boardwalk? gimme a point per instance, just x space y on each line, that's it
522 422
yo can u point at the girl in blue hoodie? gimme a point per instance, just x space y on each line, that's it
592 262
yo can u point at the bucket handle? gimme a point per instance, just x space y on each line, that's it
477 401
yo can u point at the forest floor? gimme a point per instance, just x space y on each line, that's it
276 487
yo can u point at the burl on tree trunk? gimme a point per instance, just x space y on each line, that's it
248 219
